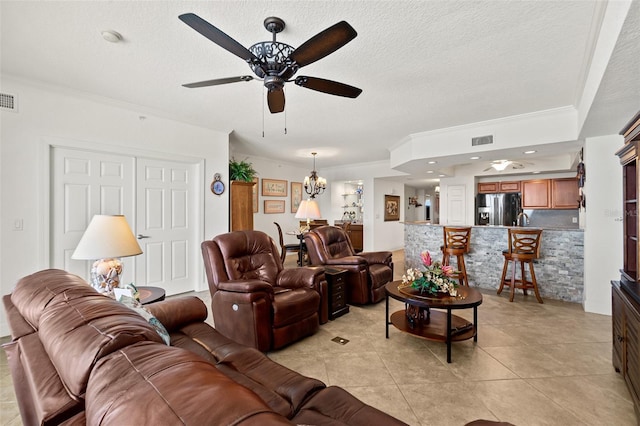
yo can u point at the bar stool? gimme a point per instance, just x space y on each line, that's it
524 247
456 243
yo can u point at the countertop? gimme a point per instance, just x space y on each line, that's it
545 228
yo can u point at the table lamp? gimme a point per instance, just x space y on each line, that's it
308 209
107 238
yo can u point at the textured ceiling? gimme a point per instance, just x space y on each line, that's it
422 65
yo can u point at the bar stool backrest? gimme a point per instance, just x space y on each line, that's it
525 241
457 238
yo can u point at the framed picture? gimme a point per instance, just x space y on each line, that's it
296 196
255 195
273 206
391 207
274 188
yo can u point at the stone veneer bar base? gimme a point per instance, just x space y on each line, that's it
559 270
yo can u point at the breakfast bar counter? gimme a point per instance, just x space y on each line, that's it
559 270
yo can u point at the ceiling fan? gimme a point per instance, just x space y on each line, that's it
276 63
501 165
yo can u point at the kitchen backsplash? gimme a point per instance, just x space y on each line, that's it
553 218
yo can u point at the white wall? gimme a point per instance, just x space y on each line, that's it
386 235
603 221
539 127
271 169
47 114
412 213
376 183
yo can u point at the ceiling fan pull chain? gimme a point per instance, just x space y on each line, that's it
285 118
263 113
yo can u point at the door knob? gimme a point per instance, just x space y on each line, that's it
140 236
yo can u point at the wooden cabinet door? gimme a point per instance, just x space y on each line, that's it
487 187
617 309
564 193
356 236
536 194
510 186
631 357
241 205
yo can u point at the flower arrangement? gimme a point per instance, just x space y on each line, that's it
434 279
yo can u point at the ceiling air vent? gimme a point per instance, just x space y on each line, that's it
482 140
8 102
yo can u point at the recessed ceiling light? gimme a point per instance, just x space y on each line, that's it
432 162
440 175
429 171
474 158
530 152
111 36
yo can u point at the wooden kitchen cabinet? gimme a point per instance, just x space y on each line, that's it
487 187
536 194
494 187
513 186
564 193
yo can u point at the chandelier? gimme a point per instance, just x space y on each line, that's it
314 184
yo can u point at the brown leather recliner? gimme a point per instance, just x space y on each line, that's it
367 273
254 300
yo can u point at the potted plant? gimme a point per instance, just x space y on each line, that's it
241 170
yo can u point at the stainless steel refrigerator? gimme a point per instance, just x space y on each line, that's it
498 209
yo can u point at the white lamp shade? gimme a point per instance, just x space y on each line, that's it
106 237
308 209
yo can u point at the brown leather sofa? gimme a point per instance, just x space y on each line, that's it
367 273
254 300
80 358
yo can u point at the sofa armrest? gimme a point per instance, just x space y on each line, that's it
377 257
242 286
347 260
309 277
177 313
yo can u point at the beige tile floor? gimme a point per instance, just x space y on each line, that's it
533 364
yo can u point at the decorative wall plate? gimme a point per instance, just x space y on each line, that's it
217 187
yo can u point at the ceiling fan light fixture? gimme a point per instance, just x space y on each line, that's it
501 165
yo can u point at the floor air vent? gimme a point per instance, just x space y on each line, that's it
8 102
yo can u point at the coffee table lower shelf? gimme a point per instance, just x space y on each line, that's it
436 328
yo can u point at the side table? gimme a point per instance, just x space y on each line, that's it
336 280
150 294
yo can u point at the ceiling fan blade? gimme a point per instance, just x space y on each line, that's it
275 99
328 86
218 37
218 81
323 44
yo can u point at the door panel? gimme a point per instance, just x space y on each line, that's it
166 219
83 184
456 206
154 196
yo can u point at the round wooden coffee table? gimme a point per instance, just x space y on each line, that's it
419 320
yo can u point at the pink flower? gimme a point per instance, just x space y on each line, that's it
448 270
426 258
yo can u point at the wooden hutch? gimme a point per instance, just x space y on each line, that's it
626 292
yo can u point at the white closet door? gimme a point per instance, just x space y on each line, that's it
166 225
456 204
83 184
